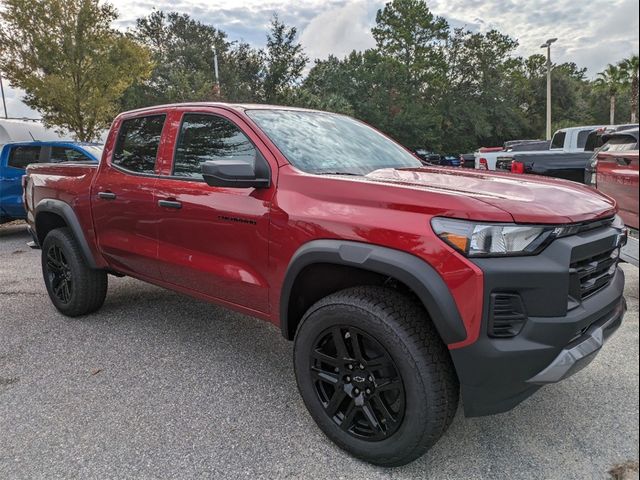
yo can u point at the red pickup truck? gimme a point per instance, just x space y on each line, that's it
402 286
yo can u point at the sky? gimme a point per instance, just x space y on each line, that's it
591 33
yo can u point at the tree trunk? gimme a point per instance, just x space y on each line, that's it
612 111
634 98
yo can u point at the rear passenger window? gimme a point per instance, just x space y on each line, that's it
208 137
20 157
558 140
62 154
582 138
138 142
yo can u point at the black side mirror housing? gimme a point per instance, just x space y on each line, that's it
237 173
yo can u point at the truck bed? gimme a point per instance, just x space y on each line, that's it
565 165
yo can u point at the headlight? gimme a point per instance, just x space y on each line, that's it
489 240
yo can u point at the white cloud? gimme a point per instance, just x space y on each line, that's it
338 31
15 107
591 34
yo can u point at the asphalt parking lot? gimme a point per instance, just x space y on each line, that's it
156 385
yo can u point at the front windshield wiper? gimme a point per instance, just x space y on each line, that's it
340 173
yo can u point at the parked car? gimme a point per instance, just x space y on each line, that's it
614 171
401 285
623 139
565 140
14 158
450 160
427 157
529 146
486 156
468 160
565 165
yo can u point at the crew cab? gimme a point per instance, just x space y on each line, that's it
401 285
14 158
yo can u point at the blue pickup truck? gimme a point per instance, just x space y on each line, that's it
14 157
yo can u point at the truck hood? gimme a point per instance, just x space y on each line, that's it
528 199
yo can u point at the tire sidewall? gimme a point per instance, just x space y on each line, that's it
58 238
414 423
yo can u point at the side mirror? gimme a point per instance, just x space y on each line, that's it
237 173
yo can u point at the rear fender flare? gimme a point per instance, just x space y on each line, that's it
65 211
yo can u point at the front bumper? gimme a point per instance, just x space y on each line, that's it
561 334
579 353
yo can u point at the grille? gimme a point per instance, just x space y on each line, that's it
507 315
596 272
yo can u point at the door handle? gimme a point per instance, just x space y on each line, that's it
623 162
170 204
107 195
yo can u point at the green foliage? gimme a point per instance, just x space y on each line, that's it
629 69
408 32
452 90
425 84
182 50
242 74
72 65
285 61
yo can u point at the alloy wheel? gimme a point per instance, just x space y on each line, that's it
59 274
358 383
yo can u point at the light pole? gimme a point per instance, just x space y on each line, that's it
215 70
4 102
547 45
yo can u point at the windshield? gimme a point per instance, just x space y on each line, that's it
318 142
622 143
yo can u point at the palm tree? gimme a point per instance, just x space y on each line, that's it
630 67
611 80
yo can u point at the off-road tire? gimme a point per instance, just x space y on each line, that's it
87 287
402 327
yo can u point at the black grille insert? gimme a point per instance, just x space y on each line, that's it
507 315
596 272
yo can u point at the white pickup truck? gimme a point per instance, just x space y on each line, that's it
564 140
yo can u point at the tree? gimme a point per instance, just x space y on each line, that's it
407 31
285 62
242 74
610 80
480 105
72 65
630 67
182 50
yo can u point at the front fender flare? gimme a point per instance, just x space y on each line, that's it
409 269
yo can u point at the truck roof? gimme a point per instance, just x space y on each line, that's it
584 127
54 143
234 106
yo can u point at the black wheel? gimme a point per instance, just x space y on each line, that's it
74 288
375 375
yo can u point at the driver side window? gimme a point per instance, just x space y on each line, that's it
205 137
